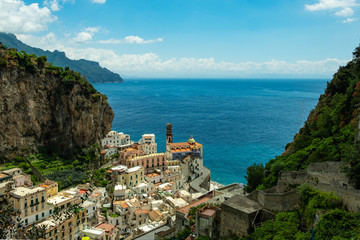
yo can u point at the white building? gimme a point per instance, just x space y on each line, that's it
147 144
90 208
115 139
120 191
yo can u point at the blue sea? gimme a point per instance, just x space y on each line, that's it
239 122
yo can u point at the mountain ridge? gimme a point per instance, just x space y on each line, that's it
91 69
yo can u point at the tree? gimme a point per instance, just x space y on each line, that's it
255 176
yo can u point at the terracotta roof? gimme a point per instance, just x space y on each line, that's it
139 211
107 227
186 209
124 205
82 191
150 175
208 212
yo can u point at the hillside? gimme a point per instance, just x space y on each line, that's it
92 70
47 106
331 132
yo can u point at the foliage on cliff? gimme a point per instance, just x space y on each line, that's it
320 214
92 70
47 106
329 134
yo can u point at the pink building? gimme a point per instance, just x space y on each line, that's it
149 162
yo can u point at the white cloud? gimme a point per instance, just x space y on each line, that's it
86 35
130 40
349 20
342 8
152 65
52 4
17 17
331 4
345 12
99 1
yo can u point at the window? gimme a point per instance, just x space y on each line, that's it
50 211
43 214
26 222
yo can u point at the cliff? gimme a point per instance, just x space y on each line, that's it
92 70
331 132
46 106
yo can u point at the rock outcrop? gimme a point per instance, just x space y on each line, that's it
43 105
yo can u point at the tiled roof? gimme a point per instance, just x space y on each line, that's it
186 209
107 227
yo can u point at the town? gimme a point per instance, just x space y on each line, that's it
153 195
150 197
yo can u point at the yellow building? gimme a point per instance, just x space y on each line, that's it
31 203
134 176
51 188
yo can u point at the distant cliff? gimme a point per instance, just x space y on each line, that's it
45 105
92 70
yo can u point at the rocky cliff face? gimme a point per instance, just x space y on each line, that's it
43 105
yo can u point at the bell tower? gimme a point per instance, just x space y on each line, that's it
169 135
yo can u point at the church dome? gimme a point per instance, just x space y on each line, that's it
191 140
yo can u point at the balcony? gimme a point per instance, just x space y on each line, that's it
33 204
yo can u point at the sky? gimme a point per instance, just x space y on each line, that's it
193 38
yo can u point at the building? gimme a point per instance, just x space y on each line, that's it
51 188
92 233
128 153
188 155
238 214
141 217
111 232
114 142
134 176
31 203
119 191
65 226
118 174
207 221
173 174
153 177
62 200
150 162
147 144
90 207
181 214
115 139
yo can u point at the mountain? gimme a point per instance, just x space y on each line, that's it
92 70
47 106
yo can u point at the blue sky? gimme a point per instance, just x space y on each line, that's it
193 38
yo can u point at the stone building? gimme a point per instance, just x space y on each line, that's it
238 214
207 221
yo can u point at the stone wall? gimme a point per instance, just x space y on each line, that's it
276 202
324 176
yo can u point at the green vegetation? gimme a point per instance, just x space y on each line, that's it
335 223
66 171
328 134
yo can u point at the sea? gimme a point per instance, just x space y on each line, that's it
239 122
